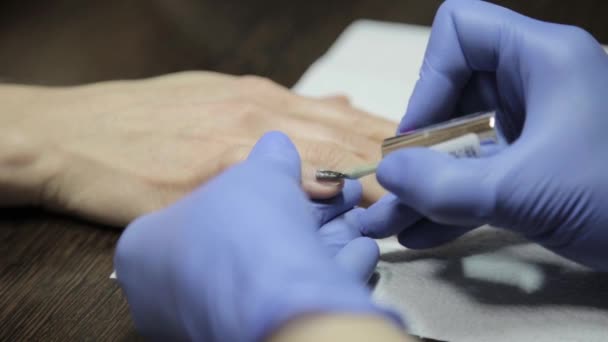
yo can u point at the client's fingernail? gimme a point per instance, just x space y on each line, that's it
317 189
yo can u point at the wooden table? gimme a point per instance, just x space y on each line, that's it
54 270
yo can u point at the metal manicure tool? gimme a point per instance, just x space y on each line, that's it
460 137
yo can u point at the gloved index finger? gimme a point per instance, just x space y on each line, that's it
467 36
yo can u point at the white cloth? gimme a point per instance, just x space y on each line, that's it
487 286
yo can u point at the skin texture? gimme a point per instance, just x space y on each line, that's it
110 152
350 328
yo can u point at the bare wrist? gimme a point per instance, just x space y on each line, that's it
24 165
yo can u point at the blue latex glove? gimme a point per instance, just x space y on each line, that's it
244 253
549 85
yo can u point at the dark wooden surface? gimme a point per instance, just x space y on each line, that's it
54 270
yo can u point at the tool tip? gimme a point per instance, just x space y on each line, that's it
329 175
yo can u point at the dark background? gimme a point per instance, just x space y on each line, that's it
75 41
53 270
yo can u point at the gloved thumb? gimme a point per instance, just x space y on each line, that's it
443 188
277 152
359 257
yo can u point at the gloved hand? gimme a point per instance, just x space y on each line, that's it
242 254
549 86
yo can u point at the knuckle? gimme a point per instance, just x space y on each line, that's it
261 88
257 82
449 8
571 44
577 34
578 40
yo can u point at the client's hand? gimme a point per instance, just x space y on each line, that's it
113 151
